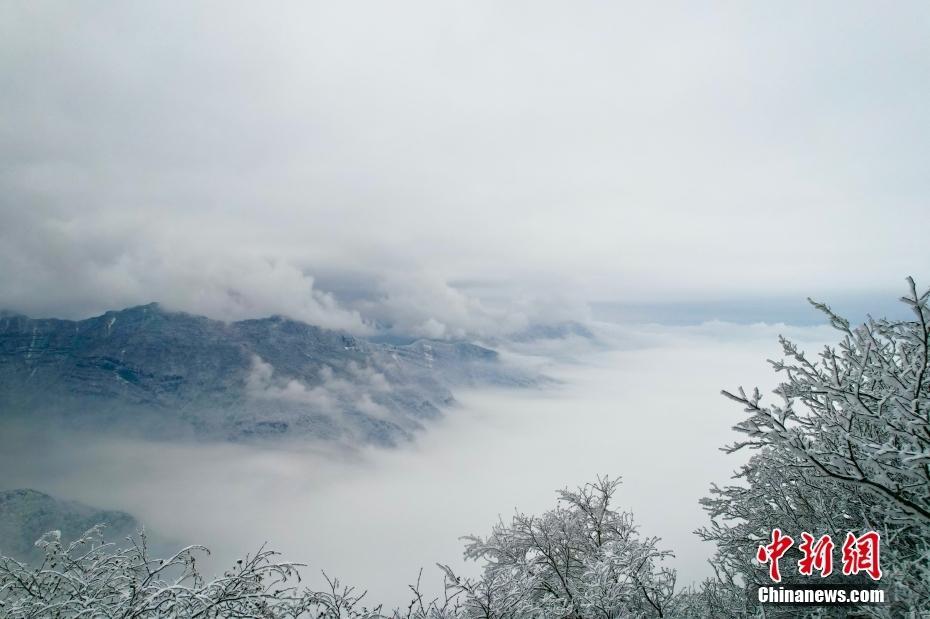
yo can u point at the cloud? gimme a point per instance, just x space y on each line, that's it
424 304
228 159
331 396
649 410
83 266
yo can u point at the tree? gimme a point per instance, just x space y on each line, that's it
581 559
90 578
847 448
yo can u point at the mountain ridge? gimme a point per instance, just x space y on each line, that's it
27 514
173 373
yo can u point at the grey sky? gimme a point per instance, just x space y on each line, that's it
453 167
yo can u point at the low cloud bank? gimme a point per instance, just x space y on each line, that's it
331 396
648 410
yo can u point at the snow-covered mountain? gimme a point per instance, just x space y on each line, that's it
157 372
26 515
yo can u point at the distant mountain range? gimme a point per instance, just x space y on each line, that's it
160 373
26 515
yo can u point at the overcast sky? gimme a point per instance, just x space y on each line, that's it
455 167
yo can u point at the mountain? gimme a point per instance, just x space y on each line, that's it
26 515
167 374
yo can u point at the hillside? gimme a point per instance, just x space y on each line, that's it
161 373
26 515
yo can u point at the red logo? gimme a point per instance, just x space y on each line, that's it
817 555
860 554
773 552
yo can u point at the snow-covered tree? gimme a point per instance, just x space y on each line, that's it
94 579
582 559
847 448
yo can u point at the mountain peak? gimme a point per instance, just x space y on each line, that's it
161 373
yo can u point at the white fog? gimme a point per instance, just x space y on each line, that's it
648 410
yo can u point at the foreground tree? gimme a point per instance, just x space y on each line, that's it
581 559
90 578
847 448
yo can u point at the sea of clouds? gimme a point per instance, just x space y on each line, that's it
647 408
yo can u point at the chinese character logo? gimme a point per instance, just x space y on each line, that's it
860 554
817 555
771 553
